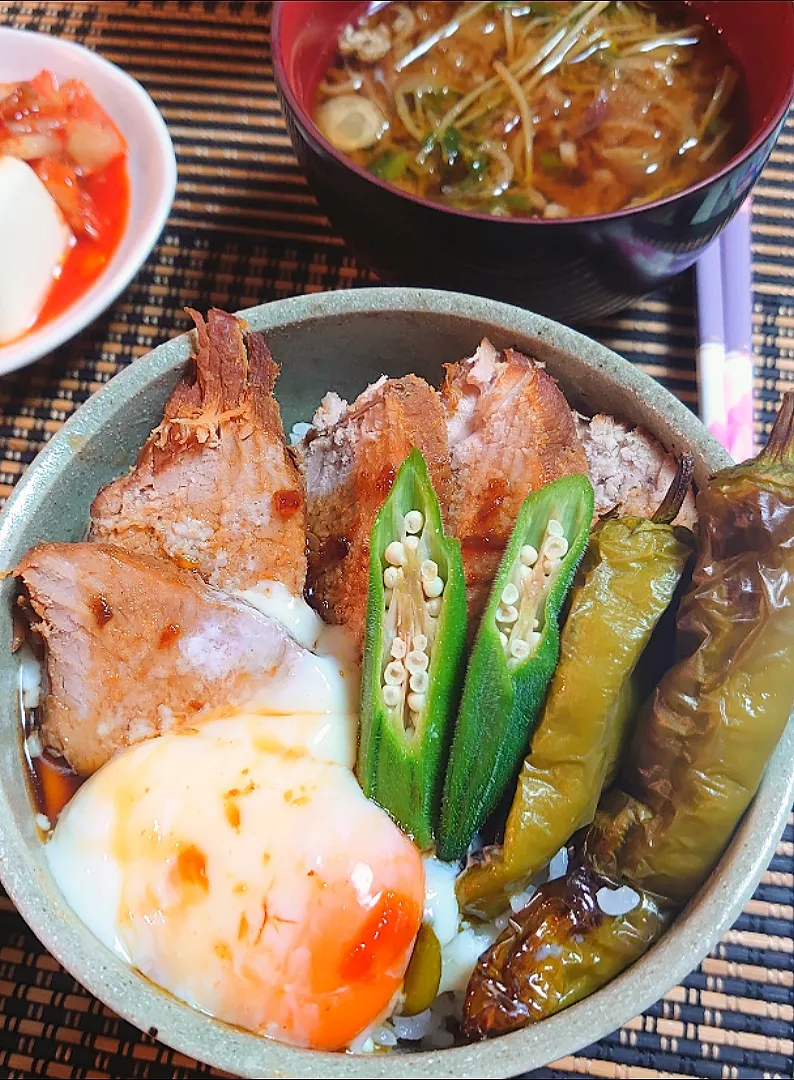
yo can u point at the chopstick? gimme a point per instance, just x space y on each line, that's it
737 294
725 325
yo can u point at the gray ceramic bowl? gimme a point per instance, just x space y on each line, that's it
343 340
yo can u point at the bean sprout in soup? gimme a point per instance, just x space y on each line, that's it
533 109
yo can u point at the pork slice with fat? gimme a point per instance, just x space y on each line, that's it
350 460
134 645
510 432
215 488
630 471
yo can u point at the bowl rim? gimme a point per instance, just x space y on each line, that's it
284 86
36 344
139 1001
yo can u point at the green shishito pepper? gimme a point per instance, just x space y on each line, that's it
514 656
561 947
701 747
697 759
413 653
630 574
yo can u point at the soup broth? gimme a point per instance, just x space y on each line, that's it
533 109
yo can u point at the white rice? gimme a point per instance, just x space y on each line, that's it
29 678
33 745
298 433
558 867
518 901
618 901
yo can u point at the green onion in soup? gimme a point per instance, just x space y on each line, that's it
533 109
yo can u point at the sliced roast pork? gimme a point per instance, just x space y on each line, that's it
630 470
510 432
350 460
215 488
134 645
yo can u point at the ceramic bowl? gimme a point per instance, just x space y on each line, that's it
344 340
151 166
570 269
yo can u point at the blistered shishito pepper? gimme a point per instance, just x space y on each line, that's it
413 653
697 759
514 656
559 949
701 749
629 576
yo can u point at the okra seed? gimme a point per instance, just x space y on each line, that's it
506 613
433 588
503 639
391 576
554 528
414 521
428 571
419 682
555 547
535 624
526 572
395 554
549 566
417 661
509 593
391 696
419 642
398 648
534 639
519 648
394 675
434 607
411 543
528 555
416 702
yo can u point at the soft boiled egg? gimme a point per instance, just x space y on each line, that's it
34 240
238 865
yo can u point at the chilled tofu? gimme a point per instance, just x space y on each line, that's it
34 240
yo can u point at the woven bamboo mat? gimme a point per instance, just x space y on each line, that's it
244 229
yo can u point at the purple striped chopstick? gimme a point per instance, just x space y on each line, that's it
711 346
725 359
737 294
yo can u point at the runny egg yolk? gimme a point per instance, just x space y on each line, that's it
239 866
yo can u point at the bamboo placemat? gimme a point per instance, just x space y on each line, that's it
244 229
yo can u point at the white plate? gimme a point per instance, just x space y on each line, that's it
151 166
